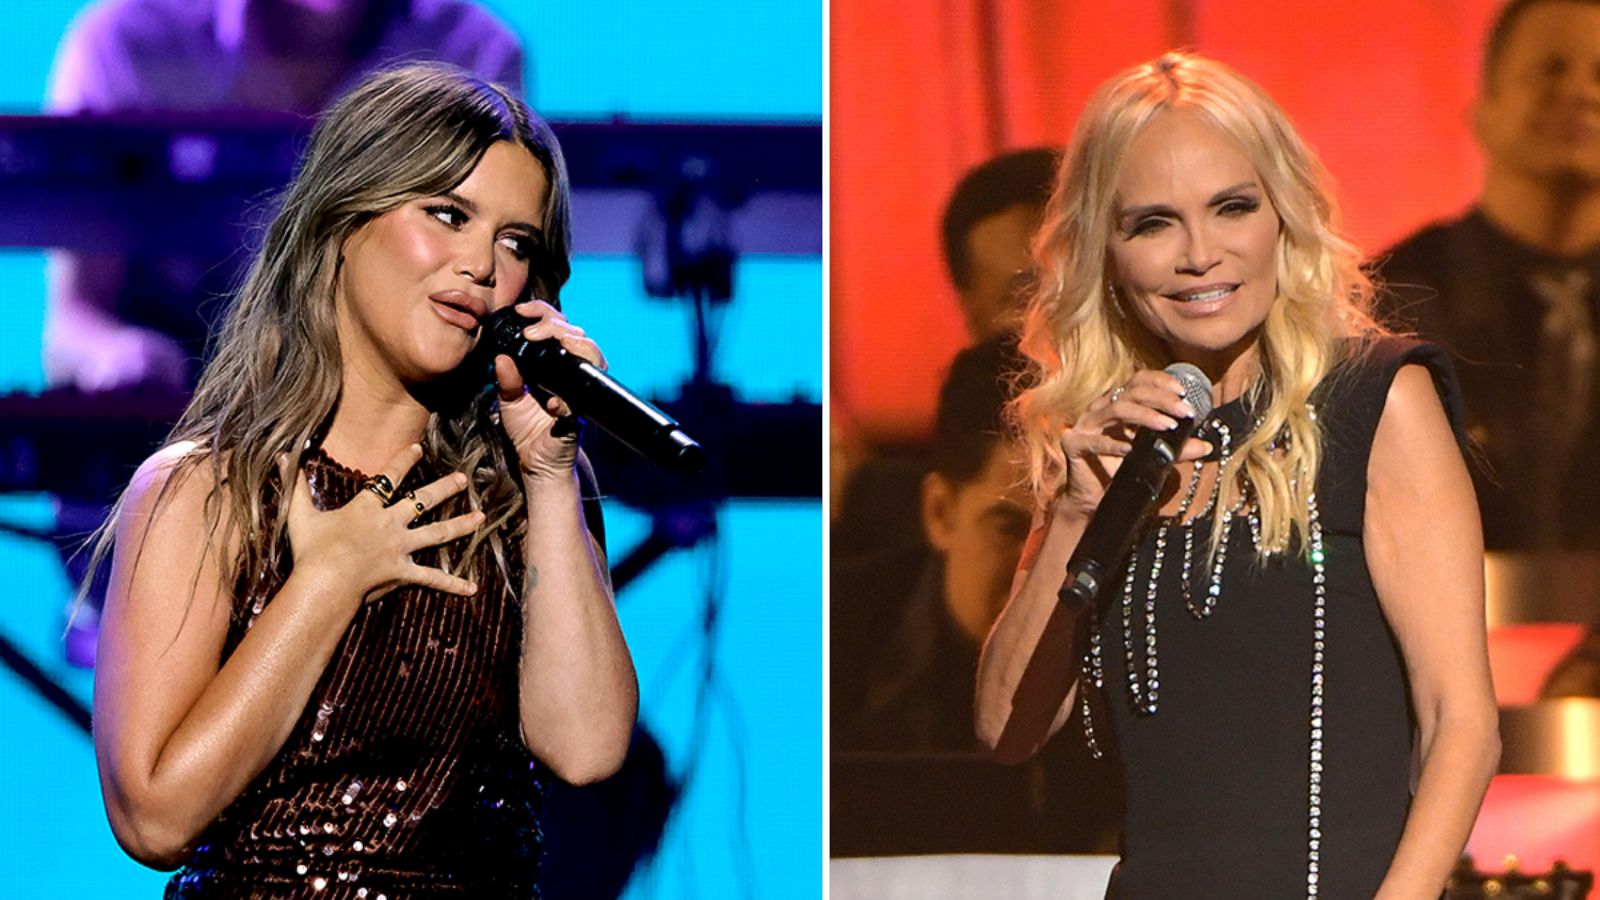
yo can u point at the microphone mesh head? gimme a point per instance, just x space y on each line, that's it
1196 388
503 328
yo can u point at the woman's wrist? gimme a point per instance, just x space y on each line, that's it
1069 511
550 479
324 584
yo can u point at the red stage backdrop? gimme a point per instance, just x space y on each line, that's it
921 91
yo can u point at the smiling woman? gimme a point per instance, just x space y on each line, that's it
1309 636
1195 249
310 679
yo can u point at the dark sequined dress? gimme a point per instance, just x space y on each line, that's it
1277 760
405 776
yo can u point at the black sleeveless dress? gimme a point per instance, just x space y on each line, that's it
1276 762
406 776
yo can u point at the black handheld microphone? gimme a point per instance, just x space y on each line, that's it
593 394
1130 496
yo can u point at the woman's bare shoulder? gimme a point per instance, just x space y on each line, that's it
1413 410
176 484
174 547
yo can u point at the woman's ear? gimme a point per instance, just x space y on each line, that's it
336 275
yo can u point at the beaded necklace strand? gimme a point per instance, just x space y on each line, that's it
1144 683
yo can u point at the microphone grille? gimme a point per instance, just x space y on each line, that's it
1196 388
503 328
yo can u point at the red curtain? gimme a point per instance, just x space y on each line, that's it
922 91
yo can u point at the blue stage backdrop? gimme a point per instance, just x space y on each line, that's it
736 709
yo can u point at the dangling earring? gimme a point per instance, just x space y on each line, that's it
1113 300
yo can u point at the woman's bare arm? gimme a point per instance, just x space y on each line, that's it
579 695
178 733
1026 670
1424 548
1025 673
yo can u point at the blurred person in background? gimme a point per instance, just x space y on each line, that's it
907 623
117 321
122 320
987 224
984 234
1513 288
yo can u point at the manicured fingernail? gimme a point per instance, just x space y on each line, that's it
416 448
1168 423
1188 408
461 479
472 587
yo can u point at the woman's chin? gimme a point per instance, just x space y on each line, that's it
1209 347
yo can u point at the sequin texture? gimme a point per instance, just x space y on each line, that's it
406 774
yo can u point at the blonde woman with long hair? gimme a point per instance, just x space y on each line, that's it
313 680
1307 603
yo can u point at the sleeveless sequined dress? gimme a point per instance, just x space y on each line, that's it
405 776
1276 763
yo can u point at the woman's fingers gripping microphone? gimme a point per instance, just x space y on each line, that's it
550 324
1156 390
1193 449
508 380
571 337
1093 439
1150 399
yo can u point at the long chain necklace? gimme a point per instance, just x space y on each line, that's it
1144 682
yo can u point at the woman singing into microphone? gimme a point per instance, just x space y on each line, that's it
1306 606
359 610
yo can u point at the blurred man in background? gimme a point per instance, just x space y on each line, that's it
1513 287
908 623
909 775
117 319
985 231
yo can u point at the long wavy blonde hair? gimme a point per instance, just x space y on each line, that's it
1079 346
274 379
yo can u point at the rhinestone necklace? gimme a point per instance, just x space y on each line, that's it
1144 683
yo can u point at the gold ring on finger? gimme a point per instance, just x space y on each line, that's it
381 486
